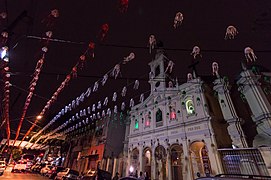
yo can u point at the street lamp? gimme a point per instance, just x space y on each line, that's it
39 117
4 54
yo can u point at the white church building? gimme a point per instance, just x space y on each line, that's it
181 132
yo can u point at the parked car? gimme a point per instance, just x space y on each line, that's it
128 178
235 177
3 164
45 169
67 174
2 167
34 167
53 172
92 174
20 166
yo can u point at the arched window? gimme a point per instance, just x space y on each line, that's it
157 70
159 115
190 107
172 113
136 124
147 120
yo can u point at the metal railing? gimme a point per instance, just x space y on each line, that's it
243 161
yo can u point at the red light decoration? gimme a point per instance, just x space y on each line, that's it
104 31
123 5
173 115
73 74
49 21
30 94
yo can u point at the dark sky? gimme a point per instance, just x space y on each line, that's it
204 25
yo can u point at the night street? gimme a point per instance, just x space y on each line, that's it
153 90
19 176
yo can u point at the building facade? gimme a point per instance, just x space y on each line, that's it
99 146
195 129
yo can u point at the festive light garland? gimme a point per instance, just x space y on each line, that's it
30 94
6 101
72 74
6 74
113 71
49 22
93 116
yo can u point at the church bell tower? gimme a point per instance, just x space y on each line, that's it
157 76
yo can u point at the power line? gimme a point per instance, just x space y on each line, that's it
141 47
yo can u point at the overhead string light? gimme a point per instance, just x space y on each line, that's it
196 52
231 32
114 72
6 76
6 101
152 43
178 20
123 5
250 55
73 74
49 22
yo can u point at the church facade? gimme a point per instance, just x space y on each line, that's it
181 132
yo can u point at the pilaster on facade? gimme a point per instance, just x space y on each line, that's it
186 171
259 105
229 113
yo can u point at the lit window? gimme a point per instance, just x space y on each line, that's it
136 124
172 115
190 107
147 120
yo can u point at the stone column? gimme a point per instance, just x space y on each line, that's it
107 164
186 169
229 113
153 164
213 155
260 106
169 165
114 166
266 154
128 163
140 159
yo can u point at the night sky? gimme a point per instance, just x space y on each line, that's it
204 25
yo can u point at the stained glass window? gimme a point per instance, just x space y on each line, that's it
190 107
147 120
172 114
136 124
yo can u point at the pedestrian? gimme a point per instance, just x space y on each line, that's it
141 176
147 176
116 177
136 174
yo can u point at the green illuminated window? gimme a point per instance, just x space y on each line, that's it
136 124
190 107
